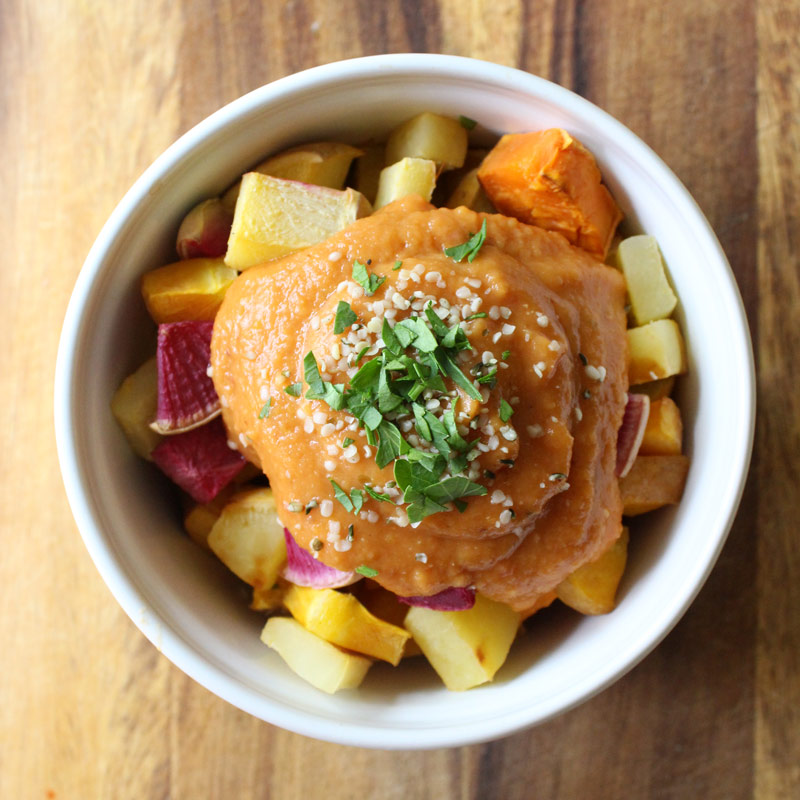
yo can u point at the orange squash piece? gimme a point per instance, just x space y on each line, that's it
663 435
653 481
549 179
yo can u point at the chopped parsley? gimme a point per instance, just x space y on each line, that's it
369 283
294 389
264 413
397 265
347 442
345 317
468 249
367 572
505 411
466 122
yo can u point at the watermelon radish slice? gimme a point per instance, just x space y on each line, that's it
205 230
302 569
186 395
631 432
199 460
452 599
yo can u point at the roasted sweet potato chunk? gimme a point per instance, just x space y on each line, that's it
653 481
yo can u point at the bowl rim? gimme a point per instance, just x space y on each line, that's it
125 589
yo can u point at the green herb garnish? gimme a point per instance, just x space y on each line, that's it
345 317
466 122
294 389
505 411
468 249
341 495
478 315
347 442
264 413
369 283
397 265
367 572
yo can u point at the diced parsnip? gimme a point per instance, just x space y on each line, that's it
653 481
200 518
549 179
248 538
470 193
429 136
205 229
466 648
187 290
320 163
339 618
276 216
649 291
656 351
320 663
134 407
655 390
367 171
592 588
663 435
384 605
408 176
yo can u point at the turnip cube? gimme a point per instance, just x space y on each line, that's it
134 408
275 216
430 136
408 176
656 351
649 291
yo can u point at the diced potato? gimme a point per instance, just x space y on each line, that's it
466 648
276 216
655 390
248 538
319 163
385 605
187 290
340 619
649 291
429 136
408 176
548 178
367 171
470 193
663 435
653 481
134 407
592 588
656 351
320 663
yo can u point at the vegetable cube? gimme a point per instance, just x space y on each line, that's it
655 390
134 407
592 588
429 136
466 648
189 290
470 193
549 179
653 481
367 171
663 435
340 619
205 229
408 176
656 351
320 663
649 291
248 538
275 216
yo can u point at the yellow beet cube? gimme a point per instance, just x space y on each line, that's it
408 176
248 538
274 217
592 588
649 291
320 663
430 136
187 290
663 435
655 390
656 351
339 618
653 481
466 648
134 408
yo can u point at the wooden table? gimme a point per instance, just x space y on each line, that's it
90 93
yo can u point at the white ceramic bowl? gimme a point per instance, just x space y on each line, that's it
194 611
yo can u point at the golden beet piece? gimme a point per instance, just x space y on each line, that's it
549 179
653 481
592 588
663 435
191 289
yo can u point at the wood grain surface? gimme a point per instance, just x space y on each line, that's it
90 93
